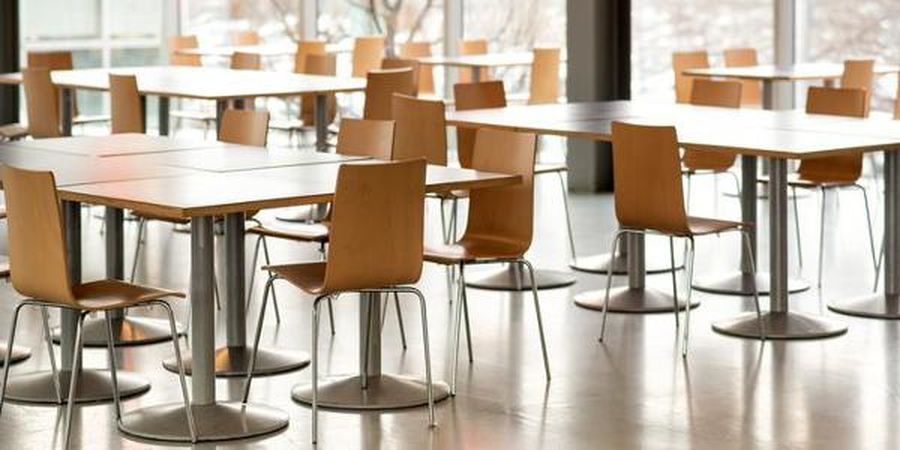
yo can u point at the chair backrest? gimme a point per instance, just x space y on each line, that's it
544 76
246 37
381 85
420 129
751 92
400 63
415 50
707 92
245 61
126 110
377 223
684 83
486 94
318 64
181 43
55 60
361 137
304 49
858 73
367 54
852 102
473 47
37 249
41 103
245 127
647 178
504 213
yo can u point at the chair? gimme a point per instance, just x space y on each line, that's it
401 63
683 83
420 129
181 43
499 226
706 92
376 247
126 104
544 76
38 253
316 64
751 91
473 47
381 85
367 54
246 37
859 73
41 103
416 50
62 60
304 49
649 199
835 172
245 61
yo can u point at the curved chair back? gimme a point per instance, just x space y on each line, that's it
751 91
420 129
415 50
360 137
684 83
41 103
401 63
647 178
304 49
858 73
126 110
246 37
367 54
245 127
544 76
318 64
504 212
706 92
851 102
486 94
473 47
377 223
381 85
181 43
37 251
55 60
245 61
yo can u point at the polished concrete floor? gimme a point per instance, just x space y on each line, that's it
632 391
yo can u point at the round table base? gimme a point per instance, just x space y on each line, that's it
127 331
94 386
383 392
509 279
780 325
873 306
631 301
235 362
601 263
740 283
217 422
18 354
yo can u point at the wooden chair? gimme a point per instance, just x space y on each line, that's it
316 64
304 49
859 73
401 63
473 47
245 61
544 76
707 92
180 43
367 54
420 129
62 60
499 226
649 199
381 85
37 251
246 37
376 247
126 104
683 83
41 103
751 91
415 50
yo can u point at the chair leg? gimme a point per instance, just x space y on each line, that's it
253 264
689 275
565 196
464 299
869 224
674 283
457 326
444 234
429 386
48 341
216 290
399 319
609 275
265 246
259 326
315 371
111 354
142 224
878 266
537 311
687 194
189 412
73 379
7 361
331 319
737 182
797 227
822 237
748 246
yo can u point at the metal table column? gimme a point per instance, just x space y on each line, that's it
215 421
779 321
163 116
94 385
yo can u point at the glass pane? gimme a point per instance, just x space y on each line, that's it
89 102
412 20
131 19
660 27
215 21
42 19
514 24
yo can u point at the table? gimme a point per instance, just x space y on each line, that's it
732 133
270 50
478 62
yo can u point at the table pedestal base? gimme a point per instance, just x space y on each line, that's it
217 422
627 300
383 392
18 354
780 325
601 263
740 283
94 386
127 331
235 362
510 279
874 306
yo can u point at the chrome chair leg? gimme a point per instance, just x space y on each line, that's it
674 283
265 246
73 378
748 246
687 192
48 341
821 237
142 224
315 370
464 299
429 386
737 182
7 360
609 275
189 412
256 336
868 223
111 353
216 290
457 327
399 319
364 369
447 270
689 275
565 196
878 266
797 227
537 310
253 264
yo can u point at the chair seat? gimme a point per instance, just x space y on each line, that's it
704 225
114 294
794 180
13 131
312 232
545 168
149 216
82 119
309 277
472 250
